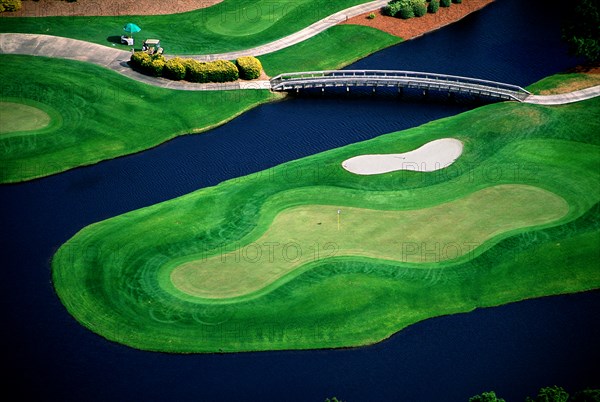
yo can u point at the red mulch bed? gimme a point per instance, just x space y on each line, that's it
411 28
48 8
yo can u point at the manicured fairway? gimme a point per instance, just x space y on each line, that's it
227 26
436 234
17 117
102 114
115 277
336 47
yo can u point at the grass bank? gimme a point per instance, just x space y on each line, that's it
563 83
336 47
98 114
114 276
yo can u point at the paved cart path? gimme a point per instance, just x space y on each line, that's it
116 60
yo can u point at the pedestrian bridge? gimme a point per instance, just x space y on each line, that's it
397 79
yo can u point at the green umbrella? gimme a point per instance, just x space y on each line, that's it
131 28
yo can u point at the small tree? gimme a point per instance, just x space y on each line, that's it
392 9
420 9
445 3
433 6
587 395
552 394
581 28
406 12
486 397
457 1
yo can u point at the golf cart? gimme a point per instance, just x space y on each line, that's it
126 40
152 46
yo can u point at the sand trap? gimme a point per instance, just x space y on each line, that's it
434 155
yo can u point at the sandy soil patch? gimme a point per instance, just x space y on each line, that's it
50 8
434 155
411 28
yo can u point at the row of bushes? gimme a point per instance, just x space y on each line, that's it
406 9
247 68
10 5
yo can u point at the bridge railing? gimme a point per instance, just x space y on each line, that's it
391 74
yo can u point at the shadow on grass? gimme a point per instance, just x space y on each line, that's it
114 39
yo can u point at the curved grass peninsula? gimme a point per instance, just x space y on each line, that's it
267 263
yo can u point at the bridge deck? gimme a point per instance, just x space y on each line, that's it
399 79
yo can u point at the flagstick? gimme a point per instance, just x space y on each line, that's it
339 219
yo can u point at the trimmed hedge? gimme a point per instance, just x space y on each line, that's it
175 69
147 64
10 5
249 67
433 6
193 70
156 66
213 71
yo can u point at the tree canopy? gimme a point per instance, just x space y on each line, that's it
581 29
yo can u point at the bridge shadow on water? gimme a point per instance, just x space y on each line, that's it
392 94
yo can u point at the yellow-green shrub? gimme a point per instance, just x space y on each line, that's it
10 5
175 69
212 71
249 67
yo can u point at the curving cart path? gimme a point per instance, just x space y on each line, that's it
116 59
562 99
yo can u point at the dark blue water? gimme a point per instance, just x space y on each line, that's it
513 349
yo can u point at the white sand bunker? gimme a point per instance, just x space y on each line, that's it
434 155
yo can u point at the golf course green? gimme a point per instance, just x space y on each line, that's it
516 216
404 236
16 117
